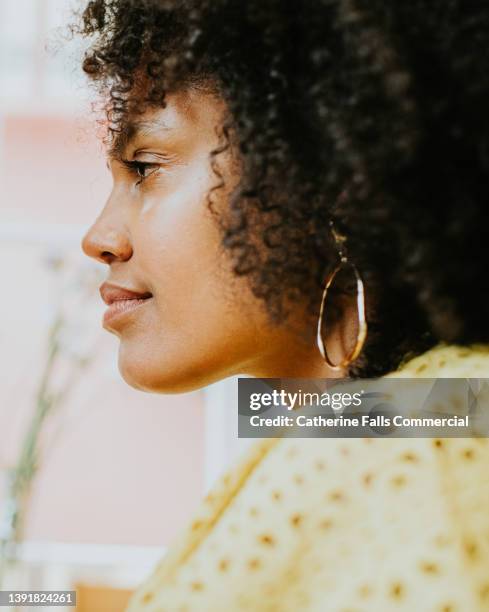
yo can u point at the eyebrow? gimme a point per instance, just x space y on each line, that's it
132 130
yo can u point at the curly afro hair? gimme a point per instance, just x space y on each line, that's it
368 114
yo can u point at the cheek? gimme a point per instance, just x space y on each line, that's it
201 323
178 246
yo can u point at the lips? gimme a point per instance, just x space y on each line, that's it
121 301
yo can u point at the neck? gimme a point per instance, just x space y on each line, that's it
296 355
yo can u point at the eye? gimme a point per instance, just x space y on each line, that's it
144 169
141 169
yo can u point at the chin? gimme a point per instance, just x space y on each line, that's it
146 372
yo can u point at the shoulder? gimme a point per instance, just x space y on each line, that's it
448 361
294 516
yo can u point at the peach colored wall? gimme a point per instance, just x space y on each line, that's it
53 170
118 466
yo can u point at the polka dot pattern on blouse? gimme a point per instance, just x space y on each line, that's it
341 525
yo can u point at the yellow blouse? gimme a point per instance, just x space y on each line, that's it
341 525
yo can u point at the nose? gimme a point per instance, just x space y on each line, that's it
107 241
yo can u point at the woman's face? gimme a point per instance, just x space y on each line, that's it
183 319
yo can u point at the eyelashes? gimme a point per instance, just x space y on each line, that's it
141 170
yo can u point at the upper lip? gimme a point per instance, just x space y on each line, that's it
112 293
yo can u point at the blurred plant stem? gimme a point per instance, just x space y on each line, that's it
20 478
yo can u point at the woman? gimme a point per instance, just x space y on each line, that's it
300 190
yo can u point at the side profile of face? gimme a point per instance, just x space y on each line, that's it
183 318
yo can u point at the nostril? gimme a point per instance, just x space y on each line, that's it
106 245
107 256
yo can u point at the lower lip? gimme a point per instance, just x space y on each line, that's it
121 308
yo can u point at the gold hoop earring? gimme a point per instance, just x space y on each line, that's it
362 321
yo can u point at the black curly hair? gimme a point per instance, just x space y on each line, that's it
372 114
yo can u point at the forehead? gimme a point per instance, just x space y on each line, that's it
188 113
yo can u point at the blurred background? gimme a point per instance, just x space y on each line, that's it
95 478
